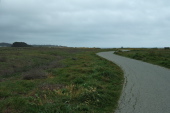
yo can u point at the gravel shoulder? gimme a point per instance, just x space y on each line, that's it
146 87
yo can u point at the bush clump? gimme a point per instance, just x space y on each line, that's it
34 74
3 59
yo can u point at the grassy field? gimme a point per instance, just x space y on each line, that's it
155 56
57 80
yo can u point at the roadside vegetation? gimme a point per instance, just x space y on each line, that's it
57 80
155 56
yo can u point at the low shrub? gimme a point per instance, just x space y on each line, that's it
34 74
51 86
6 72
3 59
78 80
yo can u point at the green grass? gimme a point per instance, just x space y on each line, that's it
76 81
155 56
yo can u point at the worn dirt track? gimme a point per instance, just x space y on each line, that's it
146 88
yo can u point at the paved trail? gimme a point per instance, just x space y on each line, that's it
146 88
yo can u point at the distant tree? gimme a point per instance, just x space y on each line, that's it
20 44
166 47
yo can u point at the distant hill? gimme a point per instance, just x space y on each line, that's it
3 44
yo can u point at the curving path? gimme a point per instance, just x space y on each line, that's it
146 88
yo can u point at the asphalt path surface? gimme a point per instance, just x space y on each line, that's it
146 87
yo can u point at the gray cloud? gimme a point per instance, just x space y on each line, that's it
88 23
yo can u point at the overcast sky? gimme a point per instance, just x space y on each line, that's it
86 23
